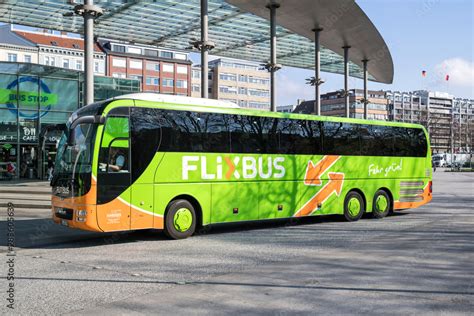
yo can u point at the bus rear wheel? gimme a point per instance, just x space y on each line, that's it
381 204
180 220
354 206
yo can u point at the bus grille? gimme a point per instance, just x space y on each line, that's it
411 191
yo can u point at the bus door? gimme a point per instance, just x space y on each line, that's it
114 177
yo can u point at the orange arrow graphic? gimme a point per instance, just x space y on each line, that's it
314 171
334 185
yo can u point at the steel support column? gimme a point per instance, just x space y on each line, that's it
89 12
204 50
88 55
272 66
366 91
346 80
317 72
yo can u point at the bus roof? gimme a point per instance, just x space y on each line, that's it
167 98
219 106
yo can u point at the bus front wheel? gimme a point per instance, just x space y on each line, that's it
381 204
180 220
354 206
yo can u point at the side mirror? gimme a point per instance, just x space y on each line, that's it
89 119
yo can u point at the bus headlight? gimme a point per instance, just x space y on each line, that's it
81 219
82 213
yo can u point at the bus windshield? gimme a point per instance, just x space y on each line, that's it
76 158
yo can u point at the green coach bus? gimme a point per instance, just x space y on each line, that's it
144 161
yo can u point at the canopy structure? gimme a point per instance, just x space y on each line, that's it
237 28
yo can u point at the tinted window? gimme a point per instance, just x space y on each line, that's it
402 142
216 134
246 134
184 131
377 140
146 137
341 139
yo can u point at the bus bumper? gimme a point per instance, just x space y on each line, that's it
82 217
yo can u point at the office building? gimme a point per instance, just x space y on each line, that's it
15 48
45 48
196 81
243 83
332 104
449 119
158 70
287 108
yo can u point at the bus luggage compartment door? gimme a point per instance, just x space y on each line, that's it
234 201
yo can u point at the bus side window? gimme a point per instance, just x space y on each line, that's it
341 139
114 144
118 156
382 142
243 134
402 142
215 132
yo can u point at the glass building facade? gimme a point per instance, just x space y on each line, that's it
31 98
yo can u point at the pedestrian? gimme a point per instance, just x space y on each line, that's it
50 168
10 170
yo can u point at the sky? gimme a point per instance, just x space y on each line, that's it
431 35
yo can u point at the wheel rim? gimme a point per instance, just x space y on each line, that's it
183 219
354 207
381 203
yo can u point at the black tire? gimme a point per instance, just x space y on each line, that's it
350 217
170 230
376 213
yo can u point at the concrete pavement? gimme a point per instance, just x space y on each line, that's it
417 262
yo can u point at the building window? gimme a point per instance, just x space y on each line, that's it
182 69
118 48
181 84
226 89
259 80
66 63
242 78
52 61
134 50
168 82
228 77
135 77
196 88
150 52
12 57
258 105
153 66
78 64
118 75
136 64
27 58
165 54
46 60
168 68
196 74
153 81
96 66
242 90
259 93
243 103
180 56
119 62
